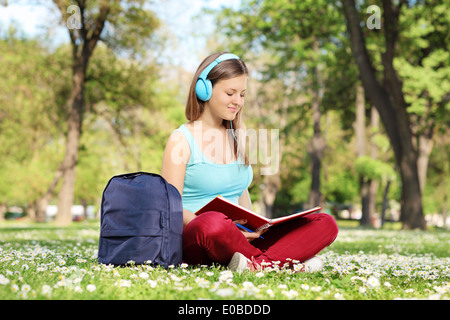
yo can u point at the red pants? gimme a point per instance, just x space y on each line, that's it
212 237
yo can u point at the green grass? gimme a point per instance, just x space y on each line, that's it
40 261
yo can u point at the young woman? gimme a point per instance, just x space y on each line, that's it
204 158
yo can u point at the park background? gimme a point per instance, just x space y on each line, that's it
360 98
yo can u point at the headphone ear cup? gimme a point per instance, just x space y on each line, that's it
203 89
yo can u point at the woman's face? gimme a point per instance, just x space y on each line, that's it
228 97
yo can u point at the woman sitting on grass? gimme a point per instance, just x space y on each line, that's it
202 168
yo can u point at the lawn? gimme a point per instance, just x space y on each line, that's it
40 261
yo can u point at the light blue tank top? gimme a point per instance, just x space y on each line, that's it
205 180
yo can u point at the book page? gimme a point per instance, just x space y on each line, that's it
294 215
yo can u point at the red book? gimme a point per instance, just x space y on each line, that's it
255 221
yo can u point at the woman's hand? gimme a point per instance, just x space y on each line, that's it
250 236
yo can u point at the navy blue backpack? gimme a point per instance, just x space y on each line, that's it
141 221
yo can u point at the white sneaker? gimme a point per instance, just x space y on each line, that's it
312 265
239 263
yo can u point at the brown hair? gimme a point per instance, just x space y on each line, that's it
227 69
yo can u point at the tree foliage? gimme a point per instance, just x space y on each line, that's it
301 63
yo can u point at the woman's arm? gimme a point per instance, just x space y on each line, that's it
245 201
176 156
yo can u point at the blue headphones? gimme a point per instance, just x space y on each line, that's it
203 87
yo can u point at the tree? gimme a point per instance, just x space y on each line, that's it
369 168
30 120
423 64
360 133
387 96
120 24
117 92
298 35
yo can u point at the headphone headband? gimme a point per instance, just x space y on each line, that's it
203 87
223 57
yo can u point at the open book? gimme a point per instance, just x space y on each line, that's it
255 221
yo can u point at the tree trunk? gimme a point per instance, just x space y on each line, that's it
360 132
366 218
42 203
3 210
269 193
385 202
84 203
389 101
317 145
66 193
31 211
316 154
83 42
373 188
425 147
360 121
41 209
